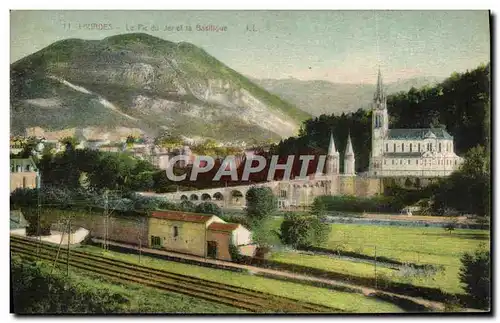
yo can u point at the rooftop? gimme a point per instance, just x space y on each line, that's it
228 227
422 133
182 216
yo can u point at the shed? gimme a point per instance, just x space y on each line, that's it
221 235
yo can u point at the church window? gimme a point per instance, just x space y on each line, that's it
411 147
386 147
409 162
418 147
394 147
403 146
455 161
430 145
400 162
393 161
439 147
385 161
416 162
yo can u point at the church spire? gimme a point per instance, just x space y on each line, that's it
331 148
349 150
379 93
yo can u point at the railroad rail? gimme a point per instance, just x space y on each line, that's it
123 271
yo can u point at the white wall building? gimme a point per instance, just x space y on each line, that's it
426 152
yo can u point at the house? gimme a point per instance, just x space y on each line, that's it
180 231
221 235
23 174
197 234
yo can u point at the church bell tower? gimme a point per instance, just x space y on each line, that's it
380 124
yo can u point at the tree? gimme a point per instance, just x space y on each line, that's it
475 277
450 226
69 143
468 189
301 230
146 204
261 204
208 208
188 206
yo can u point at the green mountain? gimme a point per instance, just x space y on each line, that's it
140 81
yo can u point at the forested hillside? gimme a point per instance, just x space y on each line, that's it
460 104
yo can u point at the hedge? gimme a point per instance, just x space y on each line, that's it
357 204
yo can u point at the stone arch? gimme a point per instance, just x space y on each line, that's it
237 197
236 193
194 197
184 198
206 197
218 196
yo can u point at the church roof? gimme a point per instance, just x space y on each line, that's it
331 148
349 150
418 133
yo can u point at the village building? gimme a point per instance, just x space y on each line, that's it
23 174
197 234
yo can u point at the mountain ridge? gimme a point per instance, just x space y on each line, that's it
163 85
325 97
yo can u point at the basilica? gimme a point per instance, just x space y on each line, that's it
425 152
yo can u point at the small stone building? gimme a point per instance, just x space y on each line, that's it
197 234
23 174
221 235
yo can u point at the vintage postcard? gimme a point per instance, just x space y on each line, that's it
250 162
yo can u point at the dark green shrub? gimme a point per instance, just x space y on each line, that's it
475 277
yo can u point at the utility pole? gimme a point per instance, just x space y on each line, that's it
375 267
67 252
106 219
38 246
58 251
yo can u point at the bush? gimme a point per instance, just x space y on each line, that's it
475 276
208 208
187 206
299 230
35 289
235 253
356 204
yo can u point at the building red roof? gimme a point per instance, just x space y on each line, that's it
228 227
182 216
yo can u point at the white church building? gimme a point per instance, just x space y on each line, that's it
426 152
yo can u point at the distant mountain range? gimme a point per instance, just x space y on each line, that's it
323 97
137 81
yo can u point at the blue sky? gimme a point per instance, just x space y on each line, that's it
338 46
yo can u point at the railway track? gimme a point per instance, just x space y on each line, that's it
122 271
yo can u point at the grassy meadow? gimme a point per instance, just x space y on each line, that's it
417 245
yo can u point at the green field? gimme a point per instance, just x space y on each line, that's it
351 302
418 245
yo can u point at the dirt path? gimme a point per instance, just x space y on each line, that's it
367 291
